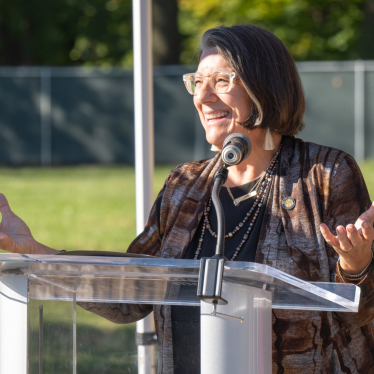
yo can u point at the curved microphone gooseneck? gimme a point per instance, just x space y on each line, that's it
236 148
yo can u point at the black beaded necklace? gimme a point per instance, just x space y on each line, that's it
264 186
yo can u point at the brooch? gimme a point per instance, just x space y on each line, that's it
288 203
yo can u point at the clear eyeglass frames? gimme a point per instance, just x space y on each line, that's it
220 81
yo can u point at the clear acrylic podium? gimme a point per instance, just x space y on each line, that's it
31 285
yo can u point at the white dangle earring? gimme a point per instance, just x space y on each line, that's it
269 143
214 148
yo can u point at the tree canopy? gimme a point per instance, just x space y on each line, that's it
99 32
65 32
311 29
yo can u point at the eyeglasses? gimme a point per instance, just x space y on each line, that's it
220 81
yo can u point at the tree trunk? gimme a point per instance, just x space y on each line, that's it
166 36
366 47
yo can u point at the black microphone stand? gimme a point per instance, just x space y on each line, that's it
219 180
211 268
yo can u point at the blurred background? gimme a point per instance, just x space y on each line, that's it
67 113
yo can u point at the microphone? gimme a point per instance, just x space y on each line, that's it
236 148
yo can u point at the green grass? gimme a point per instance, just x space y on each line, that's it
77 208
86 207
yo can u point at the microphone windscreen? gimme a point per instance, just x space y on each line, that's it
236 148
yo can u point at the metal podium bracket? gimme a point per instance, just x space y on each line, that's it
215 313
209 286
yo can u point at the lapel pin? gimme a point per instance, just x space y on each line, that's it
288 203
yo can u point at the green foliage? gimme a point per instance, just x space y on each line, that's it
65 32
311 29
99 32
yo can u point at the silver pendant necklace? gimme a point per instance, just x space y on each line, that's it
253 212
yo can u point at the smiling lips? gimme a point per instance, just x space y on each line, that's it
217 115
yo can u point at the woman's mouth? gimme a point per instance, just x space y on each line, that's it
215 116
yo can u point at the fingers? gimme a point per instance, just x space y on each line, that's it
367 231
344 242
367 216
329 237
353 243
353 237
370 212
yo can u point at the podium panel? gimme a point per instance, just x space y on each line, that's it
66 340
52 337
232 346
41 330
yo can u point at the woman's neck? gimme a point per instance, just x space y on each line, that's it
257 162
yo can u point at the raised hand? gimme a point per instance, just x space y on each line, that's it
15 236
354 242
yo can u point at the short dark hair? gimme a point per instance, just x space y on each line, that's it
267 72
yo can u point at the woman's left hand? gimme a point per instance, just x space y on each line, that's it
353 243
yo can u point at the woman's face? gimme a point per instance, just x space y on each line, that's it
219 113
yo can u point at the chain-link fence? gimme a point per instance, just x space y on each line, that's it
54 116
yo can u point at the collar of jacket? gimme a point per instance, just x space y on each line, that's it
185 196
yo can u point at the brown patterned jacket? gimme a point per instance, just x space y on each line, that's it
328 187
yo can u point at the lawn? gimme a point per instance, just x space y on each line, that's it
77 208
86 207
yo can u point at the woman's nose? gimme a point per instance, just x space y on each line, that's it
206 93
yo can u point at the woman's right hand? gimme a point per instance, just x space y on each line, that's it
15 236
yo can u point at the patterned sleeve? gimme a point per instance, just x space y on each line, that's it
349 198
148 242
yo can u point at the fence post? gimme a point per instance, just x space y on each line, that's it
359 110
144 153
45 116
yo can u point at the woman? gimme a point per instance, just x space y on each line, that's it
282 205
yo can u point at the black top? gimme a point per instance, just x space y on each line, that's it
186 320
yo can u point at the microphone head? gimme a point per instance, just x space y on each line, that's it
236 148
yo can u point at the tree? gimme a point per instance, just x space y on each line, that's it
366 50
81 32
99 32
166 36
311 29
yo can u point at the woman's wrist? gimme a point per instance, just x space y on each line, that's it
355 276
353 262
